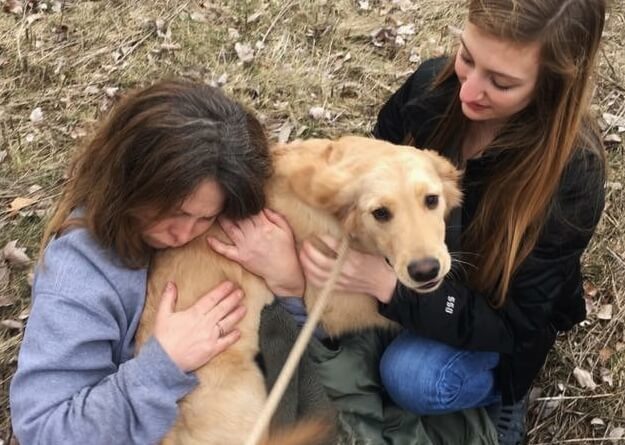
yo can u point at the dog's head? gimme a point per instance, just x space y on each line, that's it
391 200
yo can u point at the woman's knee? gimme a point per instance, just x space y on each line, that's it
428 377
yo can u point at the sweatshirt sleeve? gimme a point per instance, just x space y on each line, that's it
69 389
459 316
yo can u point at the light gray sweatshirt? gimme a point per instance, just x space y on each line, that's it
77 380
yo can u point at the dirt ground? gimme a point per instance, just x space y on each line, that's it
309 68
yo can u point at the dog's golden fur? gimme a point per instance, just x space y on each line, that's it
321 187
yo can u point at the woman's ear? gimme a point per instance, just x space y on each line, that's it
450 177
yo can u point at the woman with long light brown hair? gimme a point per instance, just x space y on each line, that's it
511 109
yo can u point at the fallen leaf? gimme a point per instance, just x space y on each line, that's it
549 407
584 378
233 34
244 52
16 256
285 132
596 422
607 376
36 116
111 91
613 120
317 113
6 301
13 7
19 203
605 354
620 347
92 90
614 185
30 137
605 312
222 79
3 155
406 30
198 17
612 138
363 5
590 289
34 188
254 17
617 433
12 324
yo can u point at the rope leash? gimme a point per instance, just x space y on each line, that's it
298 350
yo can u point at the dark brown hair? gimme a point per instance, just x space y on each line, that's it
156 146
540 140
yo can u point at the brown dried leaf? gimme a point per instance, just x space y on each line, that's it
6 301
19 203
13 7
590 289
16 256
605 354
584 378
12 324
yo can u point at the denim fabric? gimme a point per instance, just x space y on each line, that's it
428 377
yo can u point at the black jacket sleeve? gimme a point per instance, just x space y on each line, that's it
548 280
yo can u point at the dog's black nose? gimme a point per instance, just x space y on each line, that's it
424 270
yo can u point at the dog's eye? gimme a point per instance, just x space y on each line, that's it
382 214
431 201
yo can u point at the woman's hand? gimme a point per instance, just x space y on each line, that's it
264 245
194 336
360 273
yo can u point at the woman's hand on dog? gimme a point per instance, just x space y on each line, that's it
264 245
360 273
194 336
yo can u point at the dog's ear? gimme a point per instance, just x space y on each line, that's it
450 176
319 175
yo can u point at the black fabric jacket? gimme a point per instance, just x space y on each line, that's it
545 295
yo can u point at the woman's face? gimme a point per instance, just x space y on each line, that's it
184 223
497 78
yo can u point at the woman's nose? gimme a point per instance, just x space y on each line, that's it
183 232
472 89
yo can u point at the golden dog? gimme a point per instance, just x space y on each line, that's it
390 200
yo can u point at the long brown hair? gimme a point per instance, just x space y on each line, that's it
156 146
540 140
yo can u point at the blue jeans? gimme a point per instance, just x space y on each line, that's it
428 377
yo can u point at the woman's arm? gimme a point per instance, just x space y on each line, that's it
69 389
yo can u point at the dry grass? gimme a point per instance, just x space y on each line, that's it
68 58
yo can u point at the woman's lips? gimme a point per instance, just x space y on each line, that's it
476 106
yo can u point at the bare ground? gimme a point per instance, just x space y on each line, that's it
63 63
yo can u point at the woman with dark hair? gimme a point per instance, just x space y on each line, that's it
511 109
168 160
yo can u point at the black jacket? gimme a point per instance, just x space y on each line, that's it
545 294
